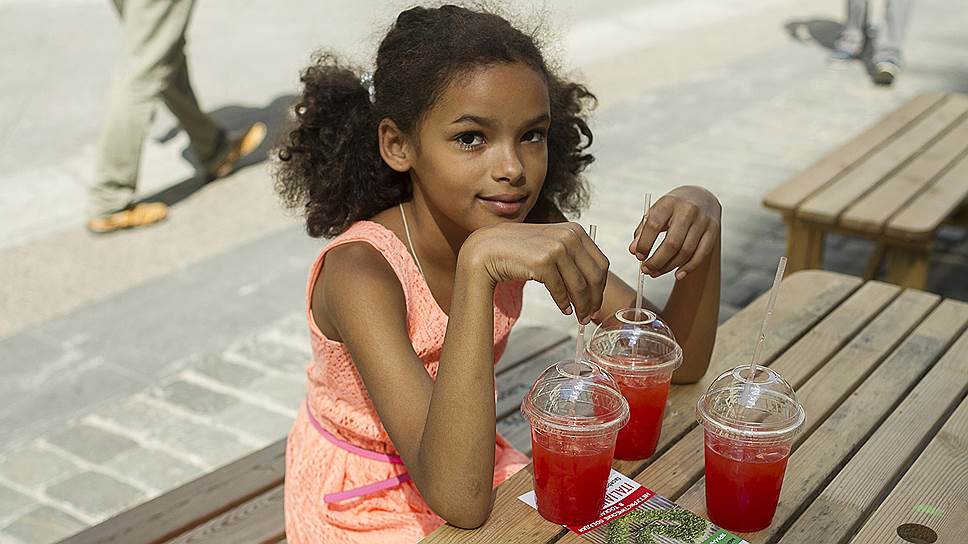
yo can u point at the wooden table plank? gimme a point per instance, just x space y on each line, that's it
788 196
921 217
514 383
871 212
933 492
258 521
805 298
842 506
839 436
682 465
193 503
527 342
827 204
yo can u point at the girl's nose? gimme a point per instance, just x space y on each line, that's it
508 166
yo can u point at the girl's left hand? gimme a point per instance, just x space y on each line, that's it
690 216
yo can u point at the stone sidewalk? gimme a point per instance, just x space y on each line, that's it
133 363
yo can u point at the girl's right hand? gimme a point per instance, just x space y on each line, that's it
560 255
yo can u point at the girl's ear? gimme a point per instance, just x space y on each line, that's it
395 147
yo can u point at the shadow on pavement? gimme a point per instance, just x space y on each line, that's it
234 119
825 33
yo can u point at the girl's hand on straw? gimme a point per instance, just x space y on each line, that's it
690 216
560 255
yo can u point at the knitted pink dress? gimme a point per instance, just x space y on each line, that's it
339 402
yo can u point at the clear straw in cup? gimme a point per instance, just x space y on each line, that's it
750 420
640 352
575 411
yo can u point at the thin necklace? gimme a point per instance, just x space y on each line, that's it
406 229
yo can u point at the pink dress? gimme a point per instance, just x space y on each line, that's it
339 402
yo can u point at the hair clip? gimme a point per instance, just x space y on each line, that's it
366 79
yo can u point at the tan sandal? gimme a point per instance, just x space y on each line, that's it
239 148
140 215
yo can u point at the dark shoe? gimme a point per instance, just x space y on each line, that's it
250 140
885 72
139 215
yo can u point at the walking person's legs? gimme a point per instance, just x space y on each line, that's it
152 40
890 39
850 43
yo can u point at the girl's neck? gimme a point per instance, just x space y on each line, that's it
436 239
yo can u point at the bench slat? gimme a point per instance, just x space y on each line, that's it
788 196
869 475
526 342
827 204
924 215
931 493
872 212
260 520
193 503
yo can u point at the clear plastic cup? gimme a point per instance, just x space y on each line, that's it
750 423
640 352
575 411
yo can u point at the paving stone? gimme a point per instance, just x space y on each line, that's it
91 443
95 493
42 525
257 421
155 468
274 355
11 500
286 392
214 447
32 466
194 397
217 368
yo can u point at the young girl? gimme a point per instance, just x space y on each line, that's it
445 182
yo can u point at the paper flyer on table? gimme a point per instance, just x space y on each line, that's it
633 514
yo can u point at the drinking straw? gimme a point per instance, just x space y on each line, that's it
641 288
764 328
580 343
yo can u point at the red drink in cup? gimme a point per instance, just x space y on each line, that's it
750 424
640 352
575 411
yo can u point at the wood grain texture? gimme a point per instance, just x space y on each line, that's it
825 451
921 217
258 521
872 472
933 493
804 299
872 212
827 170
526 343
827 204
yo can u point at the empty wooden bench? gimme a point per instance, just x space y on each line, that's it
243 501
896 183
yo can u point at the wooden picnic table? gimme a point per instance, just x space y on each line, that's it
895 183
883 374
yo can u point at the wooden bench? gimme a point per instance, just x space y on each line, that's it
243 501
896 183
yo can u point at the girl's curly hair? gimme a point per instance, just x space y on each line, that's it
330 165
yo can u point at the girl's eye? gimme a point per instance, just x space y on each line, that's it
469 140
534 136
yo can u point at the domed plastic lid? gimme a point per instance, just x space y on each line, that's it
575 398
634 341
761 407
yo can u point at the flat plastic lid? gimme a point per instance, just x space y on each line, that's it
575 397
634 341
761 407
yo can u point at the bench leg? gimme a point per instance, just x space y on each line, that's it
804 246
908 267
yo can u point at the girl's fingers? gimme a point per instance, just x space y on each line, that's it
575 285
674 239
556 287
593 265
686 251
658 219
703 251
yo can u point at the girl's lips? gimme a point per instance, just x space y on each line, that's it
504 209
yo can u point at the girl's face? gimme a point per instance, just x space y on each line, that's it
482 149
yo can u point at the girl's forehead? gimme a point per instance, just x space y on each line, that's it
506 92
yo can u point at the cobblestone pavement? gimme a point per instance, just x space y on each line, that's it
133 363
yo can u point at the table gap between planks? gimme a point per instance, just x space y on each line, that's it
883 374
243 501
895 183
